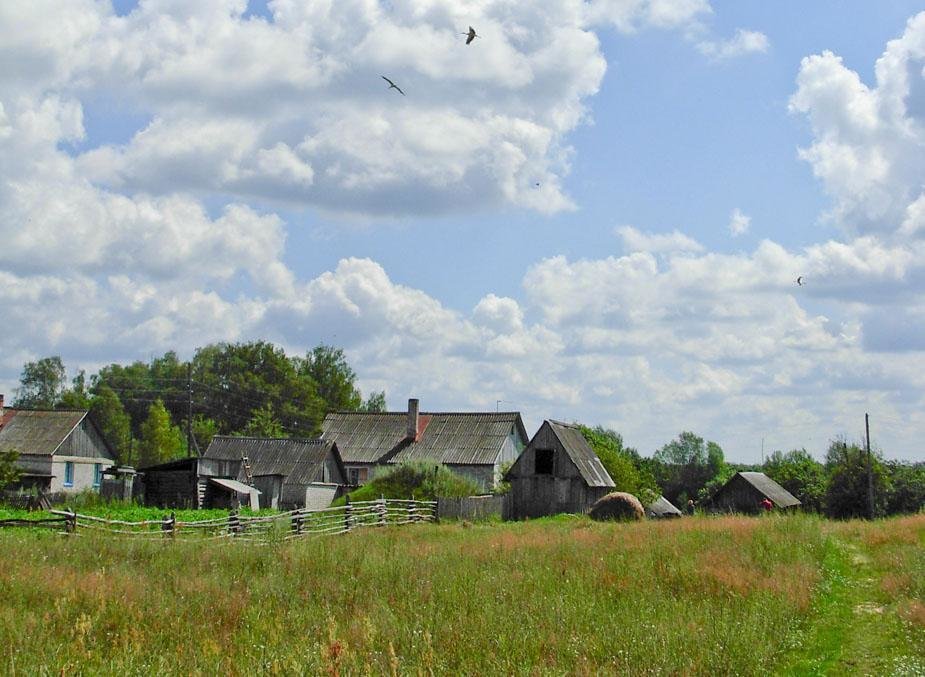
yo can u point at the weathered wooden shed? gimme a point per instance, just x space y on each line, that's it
558 472
662 508
59 450
745 491
280 473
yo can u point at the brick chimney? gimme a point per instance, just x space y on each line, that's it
413 419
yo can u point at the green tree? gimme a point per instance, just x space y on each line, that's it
375 403
684 466
623 464
41 383
264 423
204 429
9 472
800 474
907 487
846 493
77 396
107 412
160 441
334 379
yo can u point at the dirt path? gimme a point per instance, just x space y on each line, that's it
852 631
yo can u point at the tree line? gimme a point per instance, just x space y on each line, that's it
144 409
691 468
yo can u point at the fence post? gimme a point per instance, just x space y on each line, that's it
297 524
70 526
347 513
234 524
169 524
382 510
437 510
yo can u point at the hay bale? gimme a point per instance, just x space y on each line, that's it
617 506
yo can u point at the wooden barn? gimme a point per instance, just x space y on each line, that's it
256 471
745 491
473 444
662 508
60 451
557 472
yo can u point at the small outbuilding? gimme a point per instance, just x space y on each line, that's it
558 472
662 508
745 491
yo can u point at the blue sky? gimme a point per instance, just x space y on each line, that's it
179 174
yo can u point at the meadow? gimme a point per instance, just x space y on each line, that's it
725 595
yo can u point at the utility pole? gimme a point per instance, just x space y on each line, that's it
189 408
870 474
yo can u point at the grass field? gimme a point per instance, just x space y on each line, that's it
731 595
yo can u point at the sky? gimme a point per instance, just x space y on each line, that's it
595 212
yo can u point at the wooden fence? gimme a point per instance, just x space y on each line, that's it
261 528
475 507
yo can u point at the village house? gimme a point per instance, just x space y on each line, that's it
558 472
745 491
60 451
477 445
260 472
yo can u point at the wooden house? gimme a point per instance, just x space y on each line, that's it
256 471
745 491
476 445
60 451
558 472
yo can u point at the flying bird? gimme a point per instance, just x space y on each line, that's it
800 281
471 35
392 85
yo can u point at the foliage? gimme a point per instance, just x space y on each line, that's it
418 479
622 464
41 383
907 487
685 465
264 424
375 403
77 396
204 429
800 474
161 441
334 380
107 412
847 491
9 472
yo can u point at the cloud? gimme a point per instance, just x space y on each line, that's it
739 222
635 240
867 139
742 43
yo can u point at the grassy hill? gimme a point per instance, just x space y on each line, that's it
693 596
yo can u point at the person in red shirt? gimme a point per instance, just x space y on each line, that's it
766 504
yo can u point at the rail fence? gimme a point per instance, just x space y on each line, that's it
283 526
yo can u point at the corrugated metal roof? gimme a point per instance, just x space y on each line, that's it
662 506
37 432
768 487
450 438
234 485
582 455
299 461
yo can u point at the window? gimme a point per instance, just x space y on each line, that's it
545 460
69 474
357 476
97 474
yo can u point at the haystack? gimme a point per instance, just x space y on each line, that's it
617 505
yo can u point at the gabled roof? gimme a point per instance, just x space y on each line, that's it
37 432
662 506
300 461
450 438
768 487
576 446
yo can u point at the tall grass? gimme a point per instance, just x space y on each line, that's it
696 596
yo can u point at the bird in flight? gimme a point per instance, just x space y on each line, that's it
392 85
471 35
800 281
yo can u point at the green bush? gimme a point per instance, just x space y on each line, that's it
416 479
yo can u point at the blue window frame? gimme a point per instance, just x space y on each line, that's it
69 473
97 474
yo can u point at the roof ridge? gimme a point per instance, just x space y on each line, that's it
313 440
